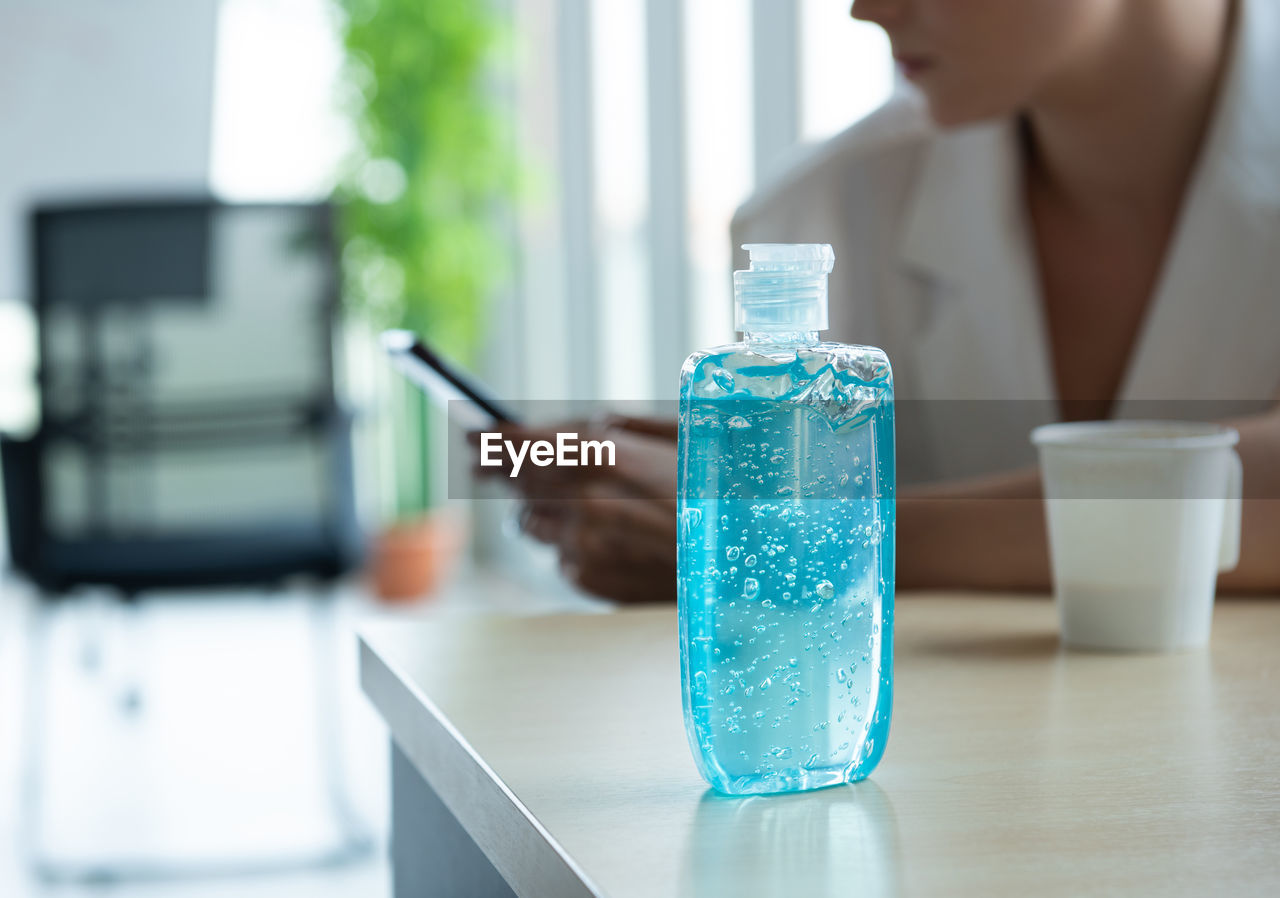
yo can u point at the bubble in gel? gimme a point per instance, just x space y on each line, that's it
723 379
737 422
750 587
732 553
824 589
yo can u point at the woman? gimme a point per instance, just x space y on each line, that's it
1082 217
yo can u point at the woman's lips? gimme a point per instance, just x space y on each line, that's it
913 66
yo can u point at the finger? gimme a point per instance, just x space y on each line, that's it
646 463
665 428
544 522
640 519
600 538
620 584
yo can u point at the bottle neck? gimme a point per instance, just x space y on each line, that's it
780 338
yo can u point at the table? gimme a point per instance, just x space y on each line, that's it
547 757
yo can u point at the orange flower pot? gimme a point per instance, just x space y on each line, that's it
412 558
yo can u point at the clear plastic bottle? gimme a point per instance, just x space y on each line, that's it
786 515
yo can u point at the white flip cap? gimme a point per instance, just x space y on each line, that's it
785 289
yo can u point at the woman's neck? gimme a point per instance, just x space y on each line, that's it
1122 128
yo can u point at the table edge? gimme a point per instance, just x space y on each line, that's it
476 796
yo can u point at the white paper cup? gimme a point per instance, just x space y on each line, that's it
1142 516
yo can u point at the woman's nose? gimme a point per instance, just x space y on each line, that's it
878 12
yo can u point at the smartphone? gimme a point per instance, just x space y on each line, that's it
443 381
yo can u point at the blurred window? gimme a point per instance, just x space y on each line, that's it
720 154
18 407
277 133
604 290
645 300
847 68
619 108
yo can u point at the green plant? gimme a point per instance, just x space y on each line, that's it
423 244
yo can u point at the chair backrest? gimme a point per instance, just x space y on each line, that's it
190 432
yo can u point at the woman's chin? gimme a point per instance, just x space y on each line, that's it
948 112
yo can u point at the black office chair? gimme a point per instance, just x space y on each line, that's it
190 433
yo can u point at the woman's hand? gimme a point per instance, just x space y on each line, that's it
614 527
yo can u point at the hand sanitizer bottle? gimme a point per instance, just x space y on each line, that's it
786 537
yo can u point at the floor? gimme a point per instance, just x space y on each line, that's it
187 732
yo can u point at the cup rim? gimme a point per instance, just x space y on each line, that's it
1134 434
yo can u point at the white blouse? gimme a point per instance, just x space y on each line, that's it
934 263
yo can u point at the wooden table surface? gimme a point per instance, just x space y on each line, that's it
1013 766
